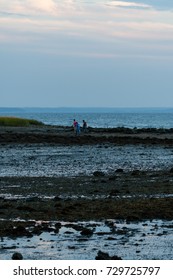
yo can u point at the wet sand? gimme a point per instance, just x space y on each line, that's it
130 195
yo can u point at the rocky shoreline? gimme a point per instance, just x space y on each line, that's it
133 196
65 135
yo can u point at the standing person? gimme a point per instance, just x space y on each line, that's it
75 125
84 126
77 129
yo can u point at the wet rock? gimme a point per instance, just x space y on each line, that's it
17 256
57 198
68 232
160 234
75 227
98 173
8 247
71 247
119 170
46 227
37 230
105 256
103 233
109 223
20 231
111 238
121 231
58 225
86 231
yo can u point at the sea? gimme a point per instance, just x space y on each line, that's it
97 117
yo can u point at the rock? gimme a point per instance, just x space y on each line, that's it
58 225
71 247
105 256
57 198
98 173
17 256
119 170
171 170
111 238
21 231
86 231
37 230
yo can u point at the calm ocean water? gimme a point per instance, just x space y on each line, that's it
98 117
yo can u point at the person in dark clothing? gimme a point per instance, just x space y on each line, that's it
84 128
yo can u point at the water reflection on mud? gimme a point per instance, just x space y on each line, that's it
42 160
141 240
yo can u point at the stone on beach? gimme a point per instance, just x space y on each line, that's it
105 256
17 256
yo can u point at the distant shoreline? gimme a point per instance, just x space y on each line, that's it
74 110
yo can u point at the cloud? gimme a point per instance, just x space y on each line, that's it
125 4
76 28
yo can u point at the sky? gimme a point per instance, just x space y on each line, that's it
90 53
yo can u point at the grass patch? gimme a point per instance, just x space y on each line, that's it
14 121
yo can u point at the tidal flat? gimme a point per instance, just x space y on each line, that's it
70 200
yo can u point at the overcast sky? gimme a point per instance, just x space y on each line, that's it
89 53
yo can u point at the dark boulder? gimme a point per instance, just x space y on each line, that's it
105 256
17 256
86 231
20 231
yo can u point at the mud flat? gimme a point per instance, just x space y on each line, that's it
119 201
124 215
132 196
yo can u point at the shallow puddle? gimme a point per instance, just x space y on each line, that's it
142 240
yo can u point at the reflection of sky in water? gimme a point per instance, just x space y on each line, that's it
142 240
73 160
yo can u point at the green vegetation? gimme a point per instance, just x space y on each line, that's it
14 121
